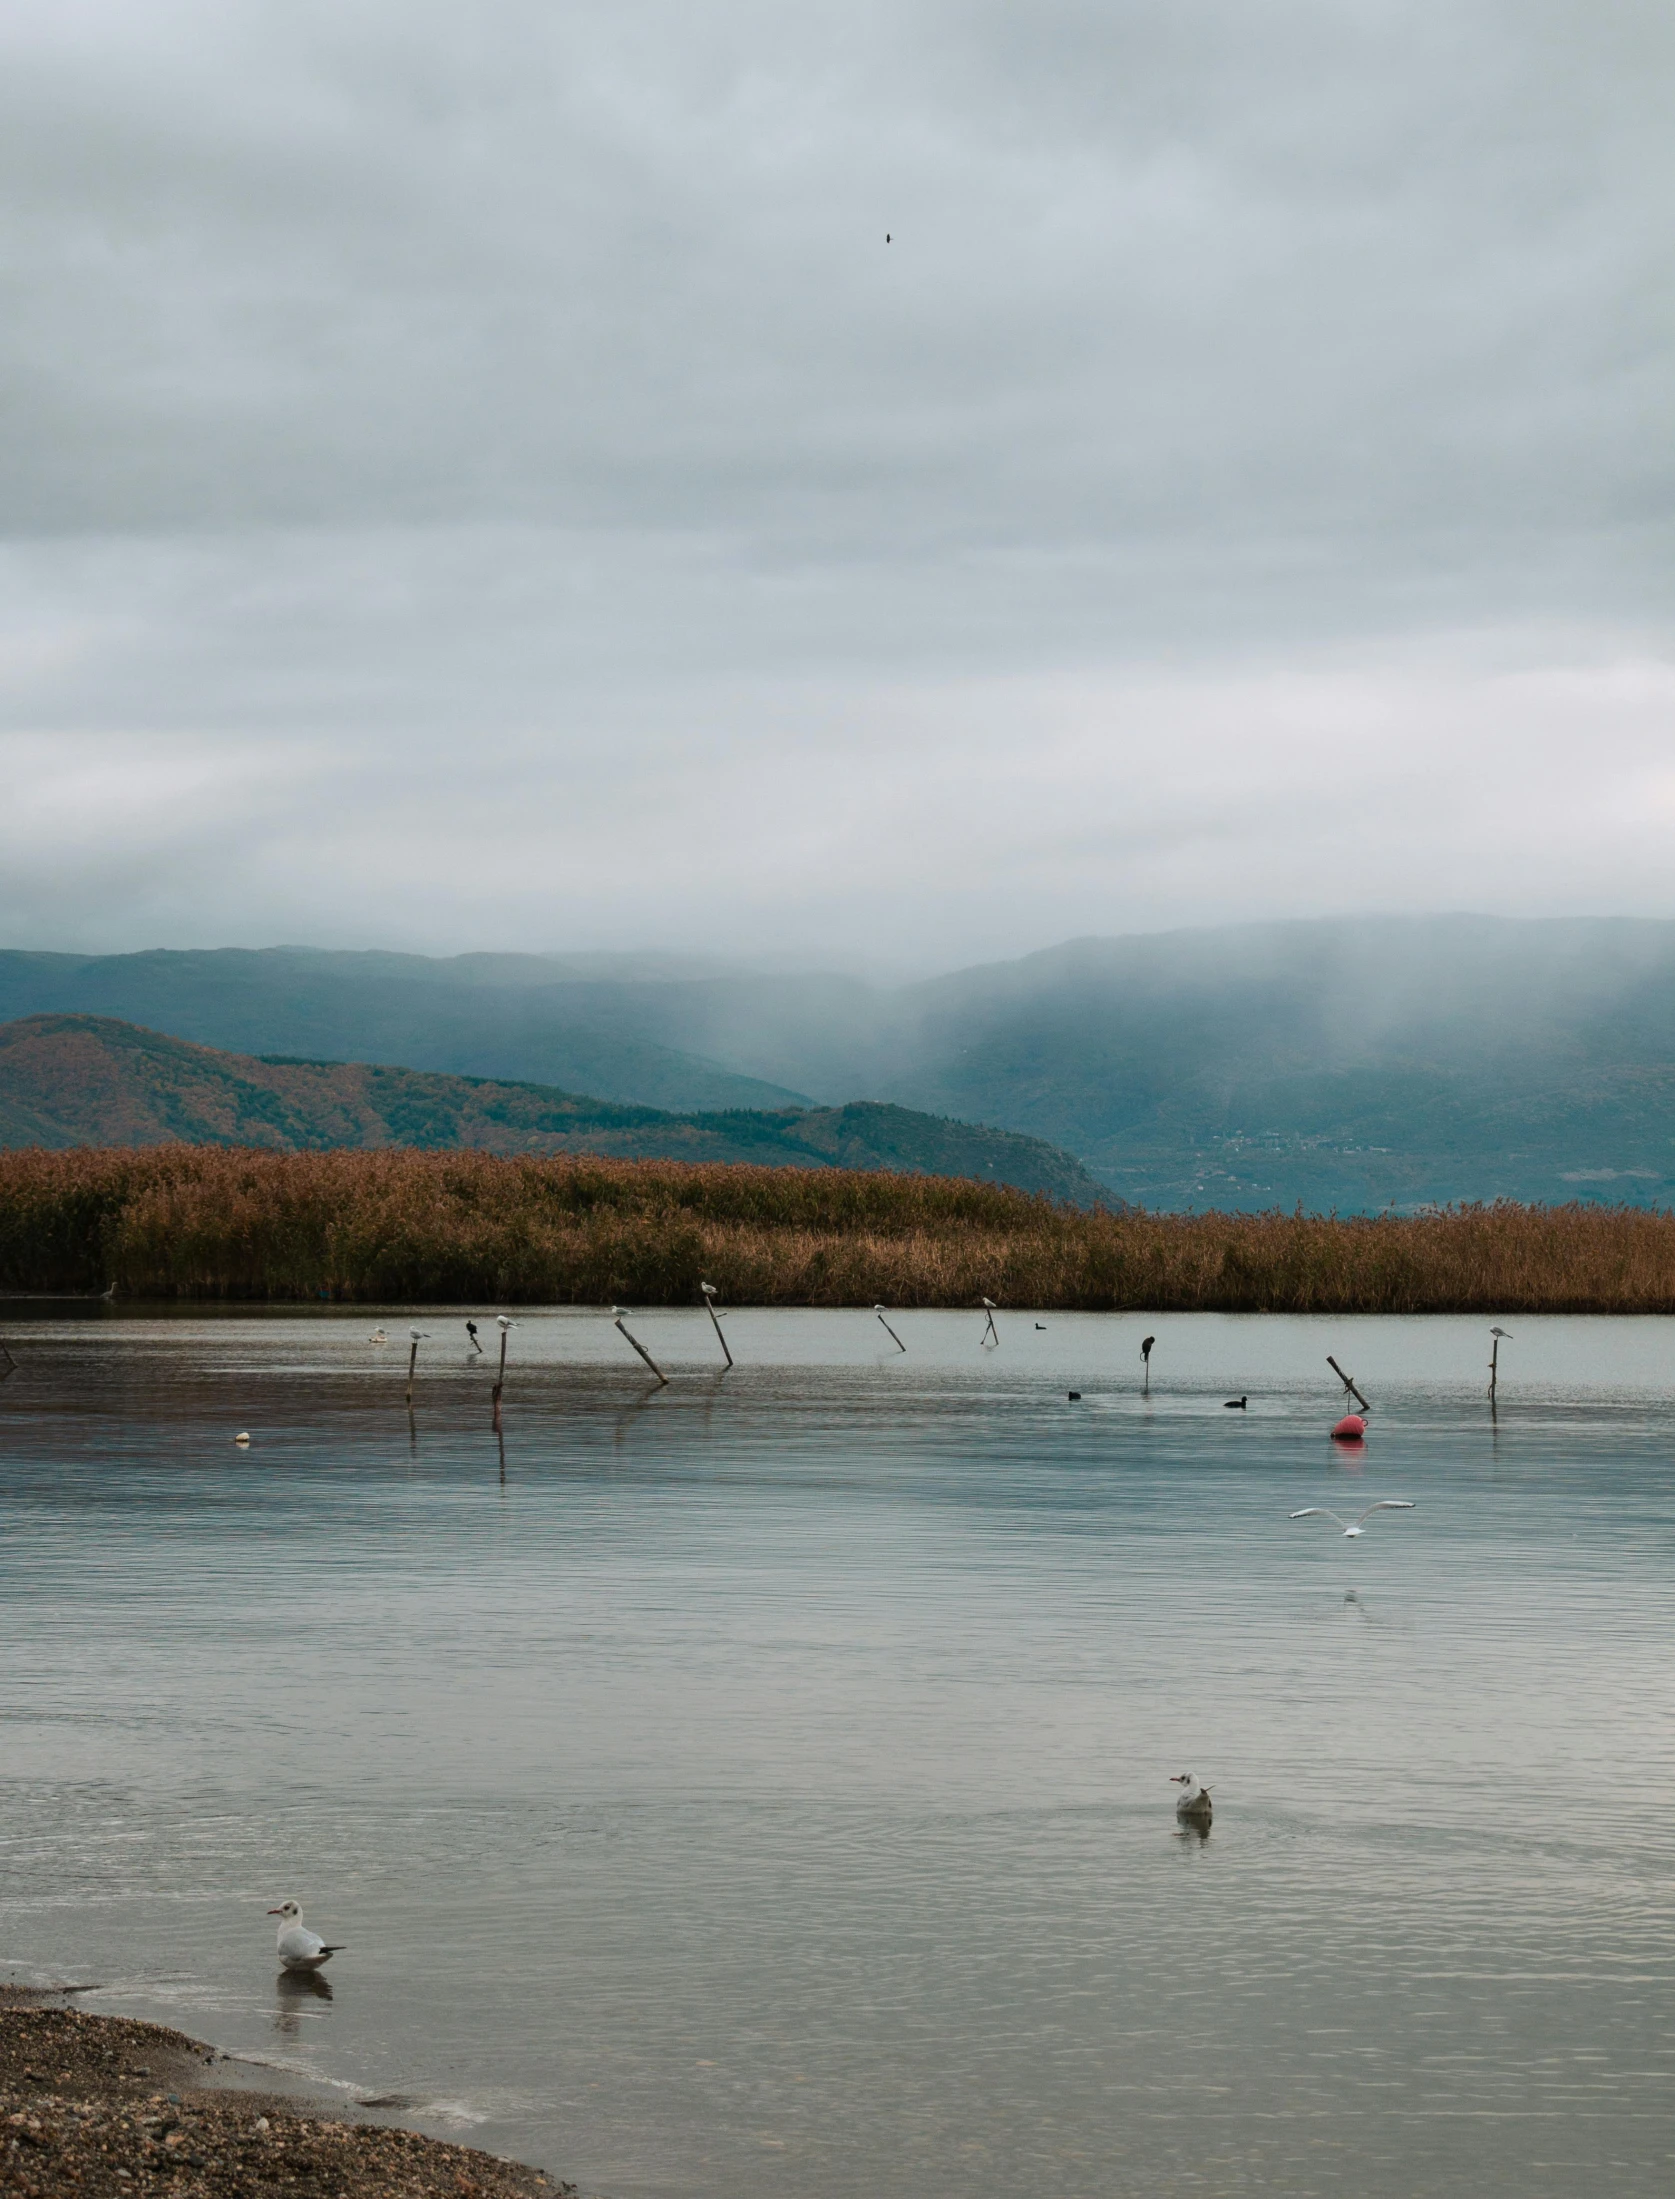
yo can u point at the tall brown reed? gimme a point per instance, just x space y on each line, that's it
212 1222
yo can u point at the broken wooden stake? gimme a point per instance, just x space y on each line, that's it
1347 1383
618 1312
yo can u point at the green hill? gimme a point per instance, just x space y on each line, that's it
69 1080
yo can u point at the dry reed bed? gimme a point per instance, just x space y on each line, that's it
219 1223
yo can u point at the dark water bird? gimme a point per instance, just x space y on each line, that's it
1234 1404
1384 1504
1074 1396
886 236
471 1331
299 1948
1041 1324
1193 1802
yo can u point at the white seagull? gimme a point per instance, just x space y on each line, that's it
1505 1335
708 1289
1193 1801
299 1948
1384 1504
504 1321
418 1335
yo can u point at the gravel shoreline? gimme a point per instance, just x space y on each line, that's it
112 2108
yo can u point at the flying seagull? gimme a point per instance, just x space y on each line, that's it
1384 1504
300 1949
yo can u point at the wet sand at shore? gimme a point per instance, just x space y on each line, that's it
107 2105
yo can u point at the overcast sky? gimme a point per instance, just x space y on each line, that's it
477 476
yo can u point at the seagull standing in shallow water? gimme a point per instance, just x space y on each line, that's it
1384 1504
299 1948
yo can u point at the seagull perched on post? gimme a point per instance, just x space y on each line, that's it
1505 1335
1384 1504
418 1335
299 1948
503 1322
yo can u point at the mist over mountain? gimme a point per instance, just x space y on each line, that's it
1352 1063
69 1080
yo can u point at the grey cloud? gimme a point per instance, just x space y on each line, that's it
396 392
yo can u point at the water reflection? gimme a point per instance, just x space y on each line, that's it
294 1990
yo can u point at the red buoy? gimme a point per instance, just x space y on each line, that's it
1350 1429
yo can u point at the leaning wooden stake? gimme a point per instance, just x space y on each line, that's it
991 1333
499 1385
412 1362
889 1332
644 1354
708 1290
1347 1383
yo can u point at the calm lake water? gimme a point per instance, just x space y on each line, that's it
761 1786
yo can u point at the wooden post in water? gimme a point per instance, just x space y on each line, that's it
708 1290
1496 1336
1146 1343
992 1334
619 1312
1347 1383
889 1332
418 1336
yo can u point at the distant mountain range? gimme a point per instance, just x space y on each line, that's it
70 1080
1352 1064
